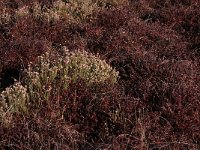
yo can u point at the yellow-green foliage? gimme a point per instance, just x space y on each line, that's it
73 10
51 75
107 2
80 10
21 12
90 68
15 98
46 77
5 17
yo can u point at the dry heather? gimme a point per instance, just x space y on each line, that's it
64 99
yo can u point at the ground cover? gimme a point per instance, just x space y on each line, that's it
100 74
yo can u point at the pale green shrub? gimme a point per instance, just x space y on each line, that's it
5 116
47 77
37 10
50 76
90 68
74 10
81 10
50 15
22 12
53 72
5 17
15 98
103 3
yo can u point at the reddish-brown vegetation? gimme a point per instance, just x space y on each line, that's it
155 46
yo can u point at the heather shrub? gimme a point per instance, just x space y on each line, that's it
94 110
180 16
45 131
154 64
154 46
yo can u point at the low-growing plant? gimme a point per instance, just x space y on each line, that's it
46 77
5 116
90 68
81 10
74 11
154 48
13 100
5 17
21 12
50 75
